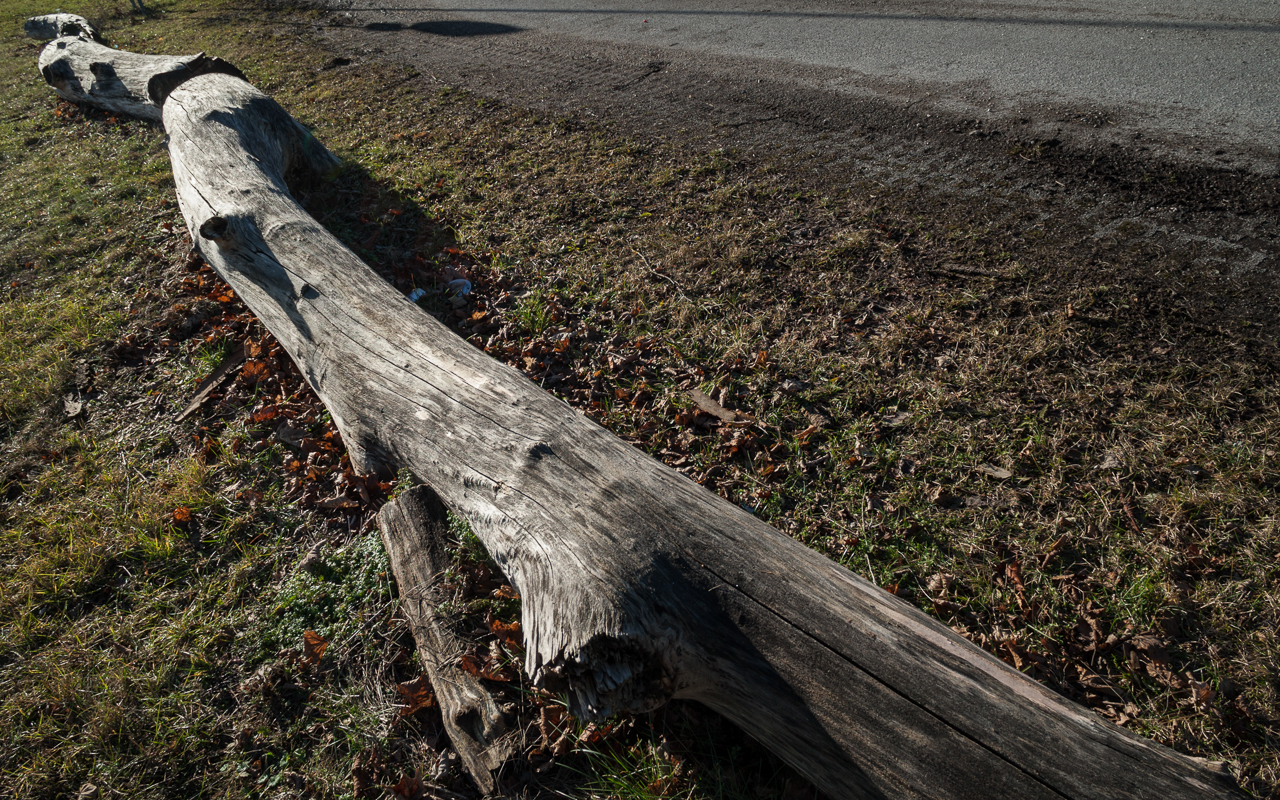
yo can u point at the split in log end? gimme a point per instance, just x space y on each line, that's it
611 674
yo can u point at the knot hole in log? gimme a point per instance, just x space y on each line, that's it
105 78
615 675
214 229
537 451
60 75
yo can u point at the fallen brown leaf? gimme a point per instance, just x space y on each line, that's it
508 632
313 647
409 787
710 406
416 694
998 473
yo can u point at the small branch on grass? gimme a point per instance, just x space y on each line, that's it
210 384
1129 515
413 530
666 278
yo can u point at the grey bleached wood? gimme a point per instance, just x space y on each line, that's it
637 584
413 530
53 26
84 71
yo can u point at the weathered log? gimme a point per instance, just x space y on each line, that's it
413 534
637 585
53 26
82 70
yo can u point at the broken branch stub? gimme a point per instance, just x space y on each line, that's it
637 585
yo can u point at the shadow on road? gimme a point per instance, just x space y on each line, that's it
456 28
1136 23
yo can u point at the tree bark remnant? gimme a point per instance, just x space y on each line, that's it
637 585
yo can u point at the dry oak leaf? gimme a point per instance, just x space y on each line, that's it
254 371
488 668
1147 648
999 473
409 788
1201 694
508 632
940 583
506 592
362 782
416 694
313 646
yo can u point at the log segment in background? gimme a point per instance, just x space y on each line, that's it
637 585
55 26
82 69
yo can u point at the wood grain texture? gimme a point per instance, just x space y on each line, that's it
82 70
413 531
637 585
53 26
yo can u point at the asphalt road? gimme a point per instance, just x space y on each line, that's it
1156 122
1196 77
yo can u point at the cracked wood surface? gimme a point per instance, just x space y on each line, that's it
637 585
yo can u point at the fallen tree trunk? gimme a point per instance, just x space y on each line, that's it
637 584
55 26
82 69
